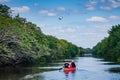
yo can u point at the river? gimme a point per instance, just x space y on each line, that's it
88 68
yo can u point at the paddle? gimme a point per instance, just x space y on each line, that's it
60 68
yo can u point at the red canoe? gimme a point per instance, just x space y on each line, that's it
69 69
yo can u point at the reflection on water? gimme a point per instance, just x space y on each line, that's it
88 68
69 74
16 73
114 70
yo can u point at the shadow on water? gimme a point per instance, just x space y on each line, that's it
28 72
16 73
110 63
114 70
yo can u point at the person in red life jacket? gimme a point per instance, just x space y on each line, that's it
72 65
66 65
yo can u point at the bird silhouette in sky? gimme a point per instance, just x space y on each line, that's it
60 18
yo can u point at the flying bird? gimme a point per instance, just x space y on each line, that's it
60 18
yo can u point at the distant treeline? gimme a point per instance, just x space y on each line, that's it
109 48
22 42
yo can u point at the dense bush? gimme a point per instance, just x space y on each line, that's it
23 42
109 48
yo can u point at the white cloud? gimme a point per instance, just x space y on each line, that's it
114 17
22 9
66 30
115 3
51 14
97 19
48 12
71 30
105 8
88 33
4 0
61 9
44 11
101 19
111 4
91 5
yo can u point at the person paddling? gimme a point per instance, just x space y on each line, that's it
72 64
66 65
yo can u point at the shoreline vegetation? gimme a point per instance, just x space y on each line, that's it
109 47
23 43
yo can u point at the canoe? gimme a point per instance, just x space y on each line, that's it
69 69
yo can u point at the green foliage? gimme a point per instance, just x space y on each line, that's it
23 42
109 48
4 11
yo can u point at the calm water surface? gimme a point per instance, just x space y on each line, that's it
88 68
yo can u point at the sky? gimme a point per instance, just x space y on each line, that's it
81 22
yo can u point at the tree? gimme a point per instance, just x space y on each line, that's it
5 11
109 48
